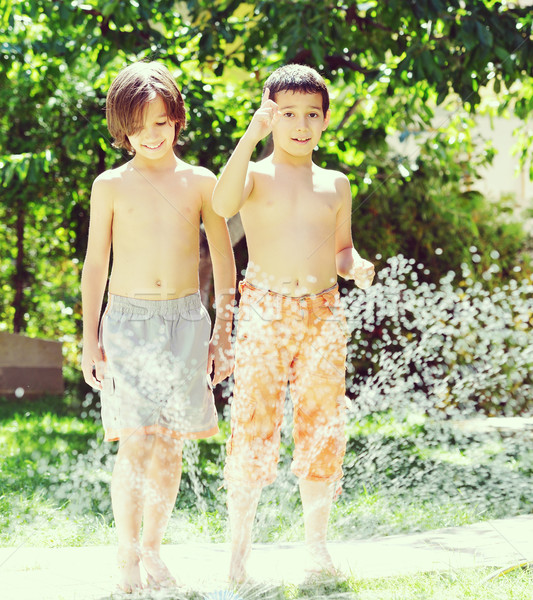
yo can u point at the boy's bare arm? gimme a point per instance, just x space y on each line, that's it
221 252
235 183
349 263
94 278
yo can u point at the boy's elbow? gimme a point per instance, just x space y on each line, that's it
344 263
222 212
344 272
222 209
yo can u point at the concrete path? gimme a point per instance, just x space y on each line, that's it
88 573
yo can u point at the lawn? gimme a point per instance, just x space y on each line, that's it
400 477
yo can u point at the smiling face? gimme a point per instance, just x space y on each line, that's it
156 136
300 124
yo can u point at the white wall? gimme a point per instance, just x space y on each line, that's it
504 175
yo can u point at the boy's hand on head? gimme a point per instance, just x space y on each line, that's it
363 273
264 118
93 366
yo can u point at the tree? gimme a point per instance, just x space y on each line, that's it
389 64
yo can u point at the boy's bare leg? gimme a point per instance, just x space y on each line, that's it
317 498
242 506
162 485
127 489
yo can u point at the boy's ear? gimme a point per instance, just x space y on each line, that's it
326 120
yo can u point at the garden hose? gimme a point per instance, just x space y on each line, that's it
521 565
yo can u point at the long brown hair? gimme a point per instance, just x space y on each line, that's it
132 88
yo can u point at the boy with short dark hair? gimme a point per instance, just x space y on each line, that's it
152 355
297 220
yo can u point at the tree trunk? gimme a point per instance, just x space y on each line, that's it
205 272
19 276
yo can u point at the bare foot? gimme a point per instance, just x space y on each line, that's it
129 571
237 567
237 574
320 562
158 574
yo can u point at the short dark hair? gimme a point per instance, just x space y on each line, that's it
126 100
298 78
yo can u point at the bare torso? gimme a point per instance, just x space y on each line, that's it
155 232
290 220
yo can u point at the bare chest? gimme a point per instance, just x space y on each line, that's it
301 199
157 208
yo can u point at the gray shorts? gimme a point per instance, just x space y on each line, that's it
156 368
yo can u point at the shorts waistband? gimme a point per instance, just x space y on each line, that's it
174 306
328 297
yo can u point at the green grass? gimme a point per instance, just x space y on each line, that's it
452 585
48 462
467 584
400 477
55 473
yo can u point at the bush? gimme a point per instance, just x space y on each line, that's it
455 347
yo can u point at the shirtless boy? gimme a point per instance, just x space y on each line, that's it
152 357
297 220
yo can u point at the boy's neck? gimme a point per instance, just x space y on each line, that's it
166 162
282 157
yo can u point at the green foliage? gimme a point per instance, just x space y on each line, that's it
388 64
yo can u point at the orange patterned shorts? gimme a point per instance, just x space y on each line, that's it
302 341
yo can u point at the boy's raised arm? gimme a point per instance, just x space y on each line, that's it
234 186
93 280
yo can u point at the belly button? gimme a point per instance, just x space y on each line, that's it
158 283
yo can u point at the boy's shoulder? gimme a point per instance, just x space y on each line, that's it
124 172
195 178
112 176
266 166
332 174
196 171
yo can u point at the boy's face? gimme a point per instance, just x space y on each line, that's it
301 122
157 134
